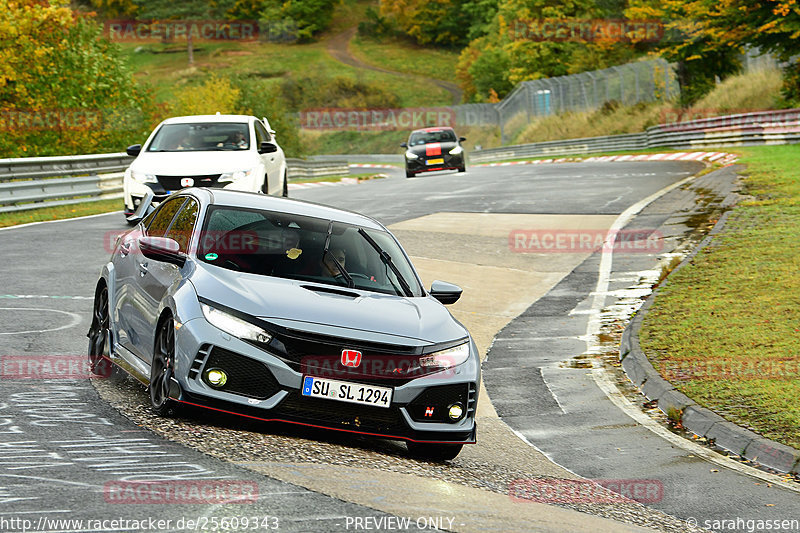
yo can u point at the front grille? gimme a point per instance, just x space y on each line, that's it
246 376
432 404
320 355
341 415
173 183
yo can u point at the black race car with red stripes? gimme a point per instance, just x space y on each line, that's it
434 149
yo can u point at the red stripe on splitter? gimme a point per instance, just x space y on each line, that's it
433 149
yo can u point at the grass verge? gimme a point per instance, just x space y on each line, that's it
724 330
60 212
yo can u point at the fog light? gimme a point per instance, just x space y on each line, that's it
455 411
216 377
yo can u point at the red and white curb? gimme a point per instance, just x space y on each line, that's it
711 157
343 181
314 184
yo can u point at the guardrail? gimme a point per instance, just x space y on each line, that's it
301 168
34 182
610 143
764 127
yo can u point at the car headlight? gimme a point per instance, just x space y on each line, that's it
141 177
446 358
411 155
234 176
234 325
456 151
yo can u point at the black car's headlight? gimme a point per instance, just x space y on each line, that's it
456 151
235 326
411 155
446 358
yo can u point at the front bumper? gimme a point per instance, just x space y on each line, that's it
134 190
264 387
444 161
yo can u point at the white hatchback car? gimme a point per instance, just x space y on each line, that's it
227 151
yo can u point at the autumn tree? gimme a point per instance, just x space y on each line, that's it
770 25
701 53
55 65
514 49
444 22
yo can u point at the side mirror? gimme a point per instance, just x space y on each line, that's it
267 148
404 145
462 139
447 293
144 209
162 249
134 150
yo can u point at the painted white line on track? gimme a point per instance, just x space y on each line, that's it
541 373
76 319
59 220
34 296
605 381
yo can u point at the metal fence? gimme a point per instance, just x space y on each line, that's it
763 127
642 81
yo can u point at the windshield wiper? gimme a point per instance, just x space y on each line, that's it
387 260
350 283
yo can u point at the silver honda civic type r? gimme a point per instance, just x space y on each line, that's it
283 310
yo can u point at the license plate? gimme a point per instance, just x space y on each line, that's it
346 391
435 161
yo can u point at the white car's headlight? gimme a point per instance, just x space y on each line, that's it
411 155
234 176
446 358
234 325
457 150
141 177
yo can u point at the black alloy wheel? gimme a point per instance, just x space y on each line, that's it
163 369
100 336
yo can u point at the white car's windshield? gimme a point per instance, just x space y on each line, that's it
305 248
194 137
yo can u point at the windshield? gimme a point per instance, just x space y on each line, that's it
293 247
200 137
437 136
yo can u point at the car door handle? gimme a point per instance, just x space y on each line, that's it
142 269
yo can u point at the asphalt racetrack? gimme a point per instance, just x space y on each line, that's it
68 447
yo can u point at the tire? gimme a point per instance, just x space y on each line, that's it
100 336
162 369
462 168
285 184
410 174
433 451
